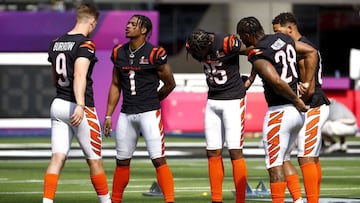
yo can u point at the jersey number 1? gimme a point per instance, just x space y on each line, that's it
132 82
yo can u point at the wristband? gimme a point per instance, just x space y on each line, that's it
107 117
81 105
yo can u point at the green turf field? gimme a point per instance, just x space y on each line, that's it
22 181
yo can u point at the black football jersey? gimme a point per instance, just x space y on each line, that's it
319 97
62 55
279 50
221 67
139 80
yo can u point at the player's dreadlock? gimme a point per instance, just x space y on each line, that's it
251 26
144 22
284 18
198 41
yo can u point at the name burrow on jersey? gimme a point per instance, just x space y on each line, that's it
63 46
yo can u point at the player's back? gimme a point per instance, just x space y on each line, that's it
279 50
319 97
62 55
221 67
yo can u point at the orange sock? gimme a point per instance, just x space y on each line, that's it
166 182
318 167
50 185
310 176
240 175
100 183
278 192
120 181
216 176
293 185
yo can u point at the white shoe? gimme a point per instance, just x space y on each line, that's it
300 200
46 200
343 147
105 198
332 148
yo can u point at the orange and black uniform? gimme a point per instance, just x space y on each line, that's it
276 49
221 67
138 76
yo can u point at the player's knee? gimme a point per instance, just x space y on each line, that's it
214 153
94 163
58 158
124 162
158 161
276 174
236 154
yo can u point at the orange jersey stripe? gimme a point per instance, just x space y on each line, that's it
152 55
254 52
97 146
90 112
273 137
161 128
89 44
115 50
275 118
94 125
273 144
95 136
95 142
242 118
311 131
313 111
226 45
160 52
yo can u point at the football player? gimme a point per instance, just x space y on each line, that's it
72 111
225 107
309 138
138 68
274 60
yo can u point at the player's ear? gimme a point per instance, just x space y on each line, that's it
93 23
143 30
290 28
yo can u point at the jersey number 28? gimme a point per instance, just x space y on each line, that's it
287 58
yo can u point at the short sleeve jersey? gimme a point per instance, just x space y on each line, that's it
221 67
279 50
138 76
319 97
62 55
